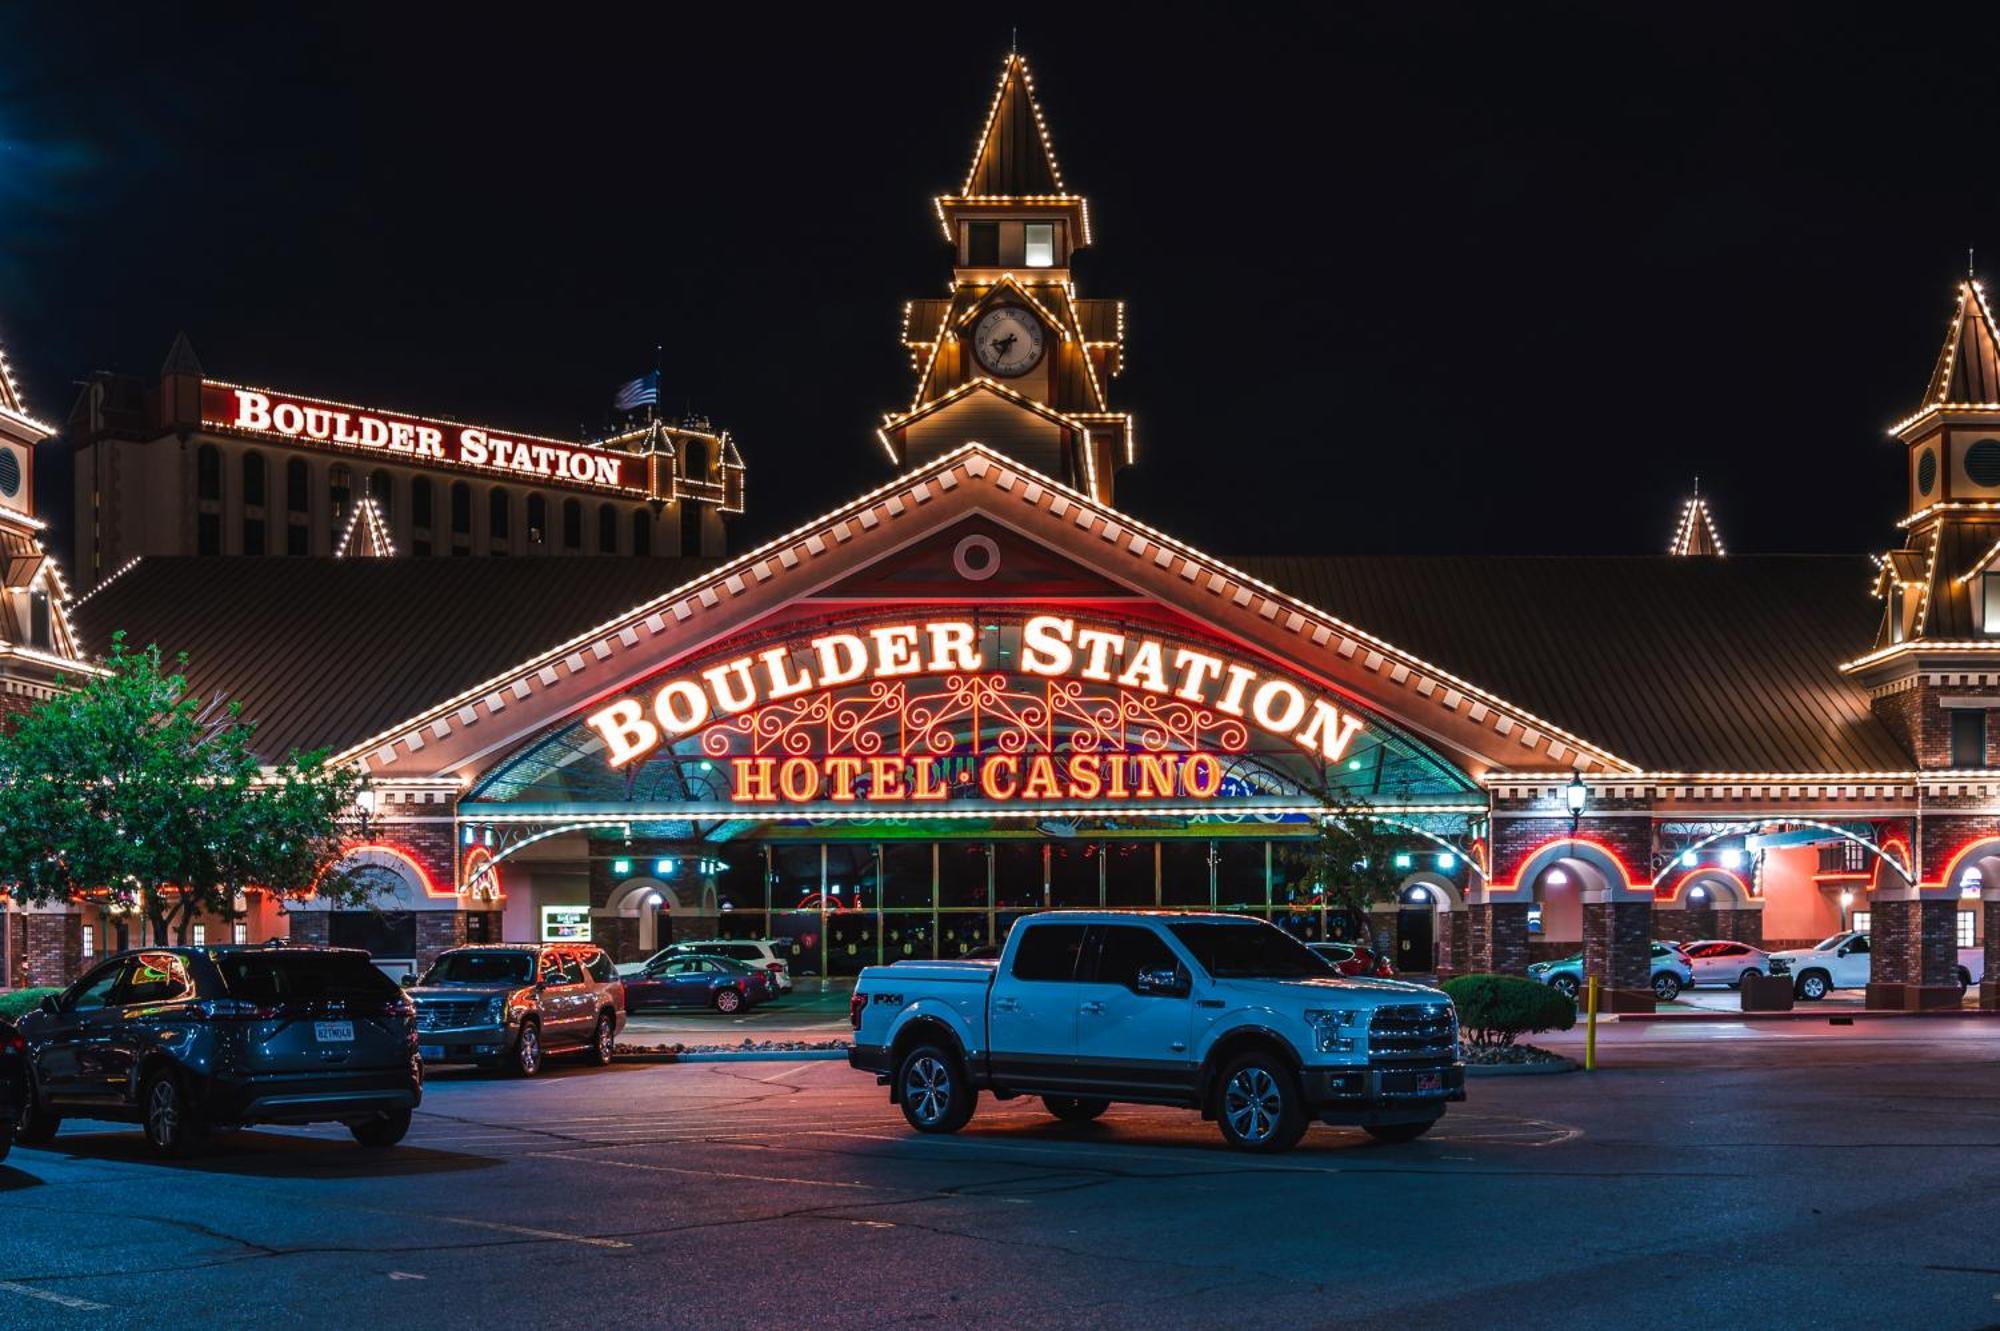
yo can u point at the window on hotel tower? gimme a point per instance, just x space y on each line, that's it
607 530
253 479
1989 597
982 244
461 518
1968 737
538 519
420 502
208 472
298 486
642 532
497 513
572 525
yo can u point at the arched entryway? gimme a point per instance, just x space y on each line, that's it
1709 902
1572 896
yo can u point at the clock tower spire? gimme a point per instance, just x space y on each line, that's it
1012 357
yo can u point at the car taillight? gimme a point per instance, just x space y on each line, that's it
855 1003
1383 969
775 967
13 1044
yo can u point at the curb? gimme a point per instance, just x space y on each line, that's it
732 1056
1849 1015
1522 1069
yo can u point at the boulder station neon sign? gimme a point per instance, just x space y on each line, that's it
306 420
777 697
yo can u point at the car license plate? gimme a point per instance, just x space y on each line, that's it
333 1032
433 1052
1430 1081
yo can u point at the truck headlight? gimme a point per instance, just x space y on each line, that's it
496 1008
1327 1027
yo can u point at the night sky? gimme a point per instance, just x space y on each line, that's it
1400 279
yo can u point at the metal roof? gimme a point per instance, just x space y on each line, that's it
1679 665
325 652
1676 664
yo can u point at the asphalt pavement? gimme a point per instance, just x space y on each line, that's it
1794 1176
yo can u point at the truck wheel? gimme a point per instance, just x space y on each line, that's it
381 1133
173 1127
1565 985
1666 987
1071 1109
1812 986
1259 1107
604 1041
526 1058
1398 1132
37 1124
6 1138
934 1091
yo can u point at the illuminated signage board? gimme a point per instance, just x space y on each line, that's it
565 924
300 420
1054 736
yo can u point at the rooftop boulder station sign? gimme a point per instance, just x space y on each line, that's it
300 420
916 712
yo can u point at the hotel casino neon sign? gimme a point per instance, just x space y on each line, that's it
916 691
310 421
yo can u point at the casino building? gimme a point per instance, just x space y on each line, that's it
979 688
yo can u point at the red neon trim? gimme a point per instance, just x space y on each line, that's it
1958 859
1522 878
480 859
1709 870
423 875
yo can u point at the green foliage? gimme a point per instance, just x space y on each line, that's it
1494 1009
134 785
17 1003
1353 856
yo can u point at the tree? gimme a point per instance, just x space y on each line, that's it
1351 855
133 785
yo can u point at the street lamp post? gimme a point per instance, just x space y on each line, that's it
364 800
1846 900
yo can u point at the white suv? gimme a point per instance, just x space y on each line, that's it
766 954
1842 962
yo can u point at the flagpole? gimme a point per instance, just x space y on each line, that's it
653 411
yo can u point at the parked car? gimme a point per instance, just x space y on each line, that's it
1671 973
1230 1016
723 983
13 1082
766 954
1354 959
512 1005
1842 962
1725 961
185 1040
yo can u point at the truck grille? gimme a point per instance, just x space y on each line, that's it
1413 1030
448 1016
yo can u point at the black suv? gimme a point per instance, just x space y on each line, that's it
13 1082
187 1039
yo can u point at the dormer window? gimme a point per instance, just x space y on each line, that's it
1041 244
1989 602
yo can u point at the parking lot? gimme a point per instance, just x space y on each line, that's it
1768 1176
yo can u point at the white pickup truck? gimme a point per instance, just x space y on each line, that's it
1219 1013
1843 962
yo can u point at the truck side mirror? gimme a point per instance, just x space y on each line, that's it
1166 982
51 1006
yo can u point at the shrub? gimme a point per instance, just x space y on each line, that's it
1494 1009
17 1003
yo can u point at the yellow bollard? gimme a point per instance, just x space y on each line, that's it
1590 1028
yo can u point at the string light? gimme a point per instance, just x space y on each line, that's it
375 537
1694 511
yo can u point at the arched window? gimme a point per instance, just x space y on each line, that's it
298 486
340 485
497 512
572 525
461 513
642 532
694 456
253 479
607 530
380 487
420 502
538 519
208 472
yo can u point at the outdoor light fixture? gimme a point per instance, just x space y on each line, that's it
1577 796
1556 877
654 900
621 866
1446 862
1698 894
1846 898
1403 860
471 835
1732 858
364 800
663 867
1688 858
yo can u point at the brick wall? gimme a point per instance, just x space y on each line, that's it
1617 951
52 948
1498 938
1989 988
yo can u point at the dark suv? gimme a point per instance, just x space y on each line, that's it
183 1040
508 1005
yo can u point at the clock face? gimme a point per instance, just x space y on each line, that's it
1008 341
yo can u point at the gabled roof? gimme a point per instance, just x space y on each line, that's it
1013 156
11 404
365 536
181 358
1968 365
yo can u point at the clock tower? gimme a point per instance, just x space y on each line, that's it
1011 356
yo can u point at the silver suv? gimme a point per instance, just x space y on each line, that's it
510 1005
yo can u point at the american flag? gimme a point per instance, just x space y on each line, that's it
641 392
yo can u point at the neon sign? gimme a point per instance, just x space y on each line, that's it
309 421
919 693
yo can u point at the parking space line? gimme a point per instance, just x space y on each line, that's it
584 1158
524 1230
51 1296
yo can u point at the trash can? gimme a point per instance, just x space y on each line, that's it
1767 993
